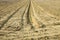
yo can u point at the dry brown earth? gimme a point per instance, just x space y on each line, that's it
30 20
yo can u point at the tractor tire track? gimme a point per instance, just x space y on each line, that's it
26 18
44 18
10 17
23 18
